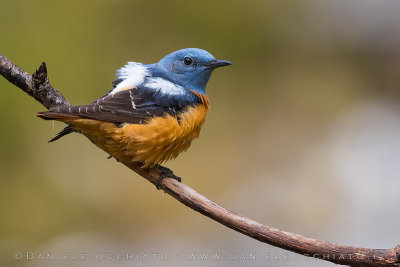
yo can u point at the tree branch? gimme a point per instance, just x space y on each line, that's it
39 87
36 85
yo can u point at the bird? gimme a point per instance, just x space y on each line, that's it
152 113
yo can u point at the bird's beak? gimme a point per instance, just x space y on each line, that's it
217 63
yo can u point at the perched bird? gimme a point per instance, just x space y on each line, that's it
153 112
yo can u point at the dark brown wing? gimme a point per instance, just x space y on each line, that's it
132 106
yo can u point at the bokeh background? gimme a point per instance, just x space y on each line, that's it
303 134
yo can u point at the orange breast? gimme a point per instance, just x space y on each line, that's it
158 140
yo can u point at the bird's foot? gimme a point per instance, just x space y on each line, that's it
165 172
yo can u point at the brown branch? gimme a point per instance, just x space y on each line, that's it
39 87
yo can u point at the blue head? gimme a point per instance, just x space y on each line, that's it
190 68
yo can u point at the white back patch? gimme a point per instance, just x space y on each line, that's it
164 86
133 74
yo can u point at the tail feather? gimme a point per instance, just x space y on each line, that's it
65 131
53 115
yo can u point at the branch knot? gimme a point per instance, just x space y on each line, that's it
40 76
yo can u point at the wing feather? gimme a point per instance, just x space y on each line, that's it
131 106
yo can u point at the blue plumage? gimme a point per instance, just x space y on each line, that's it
190 68
171 80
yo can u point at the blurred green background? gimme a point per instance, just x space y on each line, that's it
303 134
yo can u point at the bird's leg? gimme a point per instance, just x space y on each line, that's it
165 172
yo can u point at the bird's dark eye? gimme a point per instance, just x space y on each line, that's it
188 61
